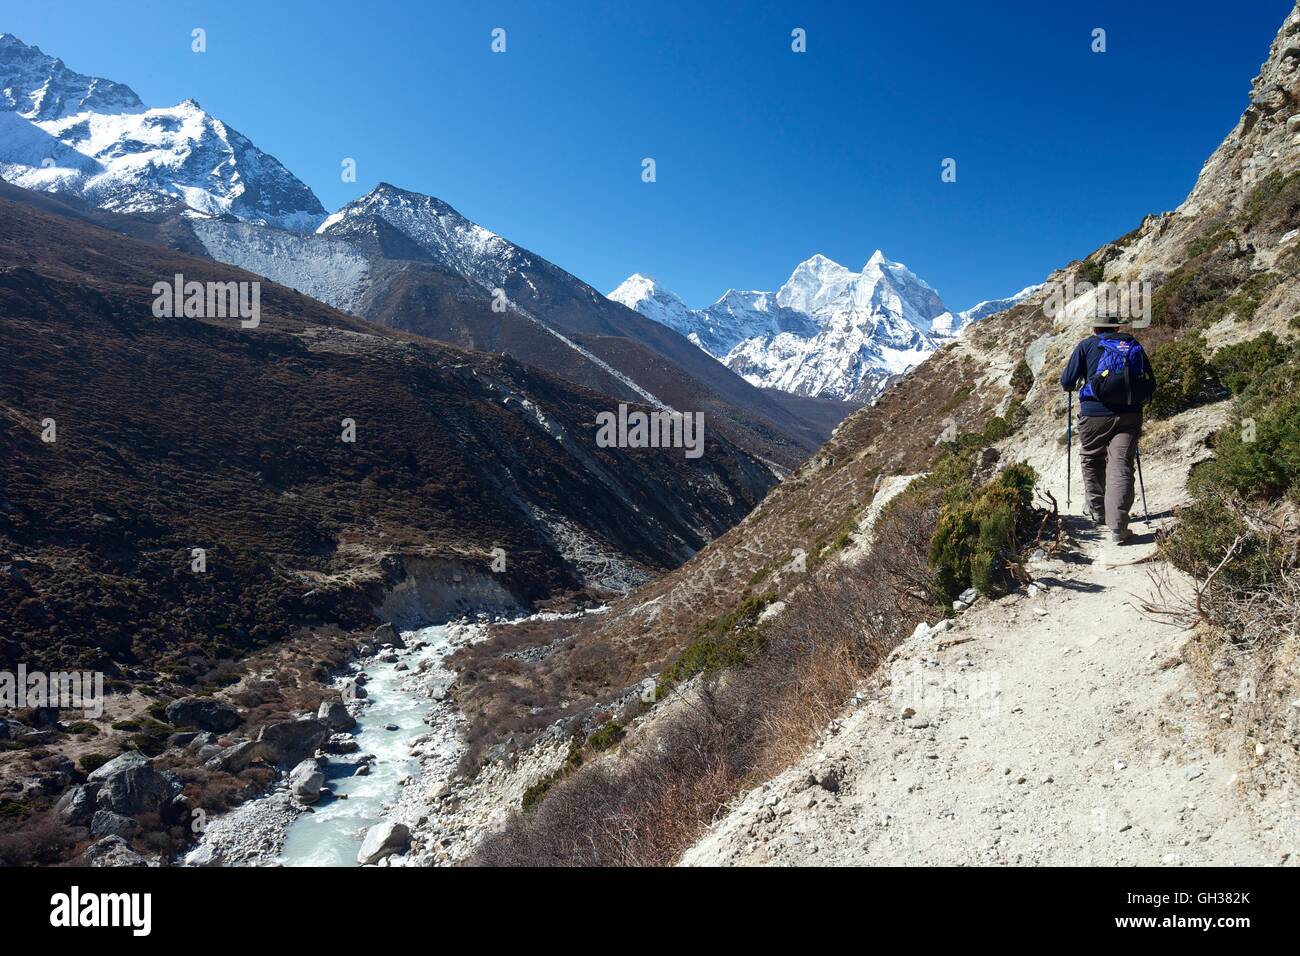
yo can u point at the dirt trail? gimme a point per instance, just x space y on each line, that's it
1060 727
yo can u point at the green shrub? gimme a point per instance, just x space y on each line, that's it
1245 302
1275 202
83 727
1238 366
1207 529
977 539
726 641
92 762
606 735
1184 375
1257 457
1210 241
1090 271
14 810
1022 379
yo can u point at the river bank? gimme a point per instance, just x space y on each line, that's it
402 769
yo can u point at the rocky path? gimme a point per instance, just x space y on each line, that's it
1060 727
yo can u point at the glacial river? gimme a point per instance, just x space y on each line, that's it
331 834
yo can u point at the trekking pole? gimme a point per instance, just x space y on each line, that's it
1069 442
1142 484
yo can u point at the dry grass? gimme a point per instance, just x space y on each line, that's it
736 728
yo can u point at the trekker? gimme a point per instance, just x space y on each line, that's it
1117 380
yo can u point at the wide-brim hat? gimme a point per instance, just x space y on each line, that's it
1110 321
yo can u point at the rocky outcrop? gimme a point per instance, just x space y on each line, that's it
289 741
440 590
204 713
113 851
77 805
129 785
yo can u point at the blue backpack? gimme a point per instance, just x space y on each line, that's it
1121 377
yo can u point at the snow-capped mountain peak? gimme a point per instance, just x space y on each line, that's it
828 331
41 87
441 233
71 133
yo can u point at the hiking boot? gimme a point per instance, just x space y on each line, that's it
1096 519
1120 535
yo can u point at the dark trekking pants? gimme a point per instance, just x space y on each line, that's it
1107 447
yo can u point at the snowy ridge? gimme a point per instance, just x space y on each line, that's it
65 132
827 332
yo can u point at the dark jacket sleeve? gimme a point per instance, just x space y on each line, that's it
1077 370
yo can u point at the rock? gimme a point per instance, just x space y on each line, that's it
182 740
289 741
389 656
77 805
236 757
179 809
335 715
382 840
363 770
387 634
113 851
200 741
206 855
129 785
968 596
44 718
352 689
205 713
1191 773
341 744
391 727
829 779
1038 555
942 626
400 666
108 823
306 780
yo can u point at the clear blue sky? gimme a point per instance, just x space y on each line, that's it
764 156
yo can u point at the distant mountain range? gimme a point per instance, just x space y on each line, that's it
828 332
395 257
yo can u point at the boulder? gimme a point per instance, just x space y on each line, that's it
77 805
289 741
335 715
200 741
341 744
129 785
205 713
387 634
234 758
306 780
205 854
108 823
352 690
113 851
382 840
